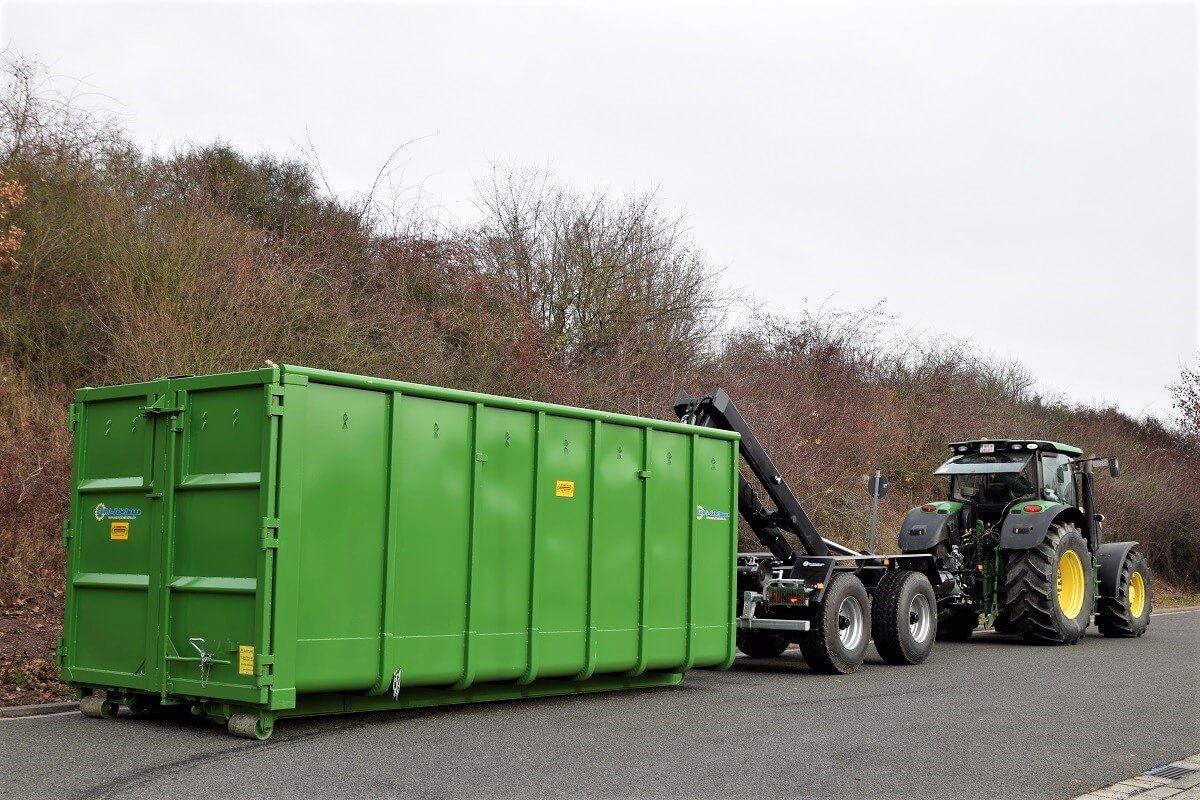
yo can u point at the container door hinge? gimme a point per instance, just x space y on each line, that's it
274 401
73 416
66 533
481 458
264 667
270 533
60 651
643 474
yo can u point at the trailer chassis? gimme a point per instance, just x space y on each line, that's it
814 594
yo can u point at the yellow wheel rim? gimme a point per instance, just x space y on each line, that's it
1137 595
1070 584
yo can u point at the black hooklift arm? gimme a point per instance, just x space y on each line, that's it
716 410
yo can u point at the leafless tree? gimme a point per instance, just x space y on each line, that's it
606 279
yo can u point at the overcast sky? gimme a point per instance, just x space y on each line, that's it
1021 176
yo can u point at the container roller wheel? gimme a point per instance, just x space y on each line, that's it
250 726
99 707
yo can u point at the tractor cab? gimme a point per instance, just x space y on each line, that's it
990 477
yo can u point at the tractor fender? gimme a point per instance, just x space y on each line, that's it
1026 531
1111 556
923 530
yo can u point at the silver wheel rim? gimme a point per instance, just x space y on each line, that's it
920 618
850 623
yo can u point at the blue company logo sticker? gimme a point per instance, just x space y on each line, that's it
103 512
703 513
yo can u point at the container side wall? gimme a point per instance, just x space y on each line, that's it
433 519
616 579
668 541
713 552
343 540
561 583
503 531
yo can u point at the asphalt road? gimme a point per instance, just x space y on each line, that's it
985 718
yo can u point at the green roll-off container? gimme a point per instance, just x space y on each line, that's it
291 541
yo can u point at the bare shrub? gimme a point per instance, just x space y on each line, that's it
607 280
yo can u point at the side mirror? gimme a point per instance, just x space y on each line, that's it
1114 467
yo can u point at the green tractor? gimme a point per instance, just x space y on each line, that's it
1019 543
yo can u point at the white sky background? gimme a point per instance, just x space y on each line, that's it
1021 176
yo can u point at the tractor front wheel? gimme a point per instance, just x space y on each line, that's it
1127 613
841 629
1049 590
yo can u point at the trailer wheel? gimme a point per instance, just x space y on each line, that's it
904 617
1128 613
760 644
841 630
1049 589
960 622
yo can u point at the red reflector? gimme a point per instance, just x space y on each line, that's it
1032 509
795 599
928 508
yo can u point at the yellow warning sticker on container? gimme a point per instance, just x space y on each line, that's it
564 489
245 659
118 530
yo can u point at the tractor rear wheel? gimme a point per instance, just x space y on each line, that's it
837 641
1049 590
1127 614
904 617
760 644
959 623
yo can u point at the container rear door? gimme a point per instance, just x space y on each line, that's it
221 533
114 539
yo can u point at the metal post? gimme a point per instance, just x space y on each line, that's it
875 508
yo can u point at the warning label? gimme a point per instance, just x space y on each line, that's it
246 659
118 530
564 488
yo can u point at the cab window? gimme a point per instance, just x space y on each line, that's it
1058 480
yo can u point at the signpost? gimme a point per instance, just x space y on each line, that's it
877 487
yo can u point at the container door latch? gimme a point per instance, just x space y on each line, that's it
206 660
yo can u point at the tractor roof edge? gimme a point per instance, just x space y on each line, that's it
1057 447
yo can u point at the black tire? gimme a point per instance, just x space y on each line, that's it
958 624
904 617
837 641
1032 600
1114 616
761 644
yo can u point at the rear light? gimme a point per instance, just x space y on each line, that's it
1032 509
785 595
928 508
